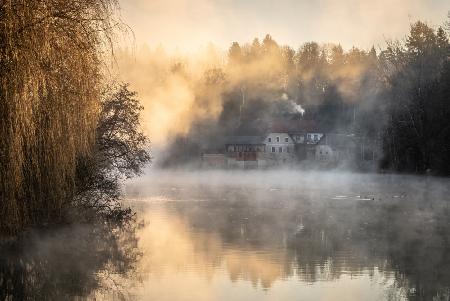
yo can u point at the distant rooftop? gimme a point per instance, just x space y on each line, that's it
294 126
338 140
244 140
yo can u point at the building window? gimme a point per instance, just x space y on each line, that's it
309 136
316 137
278 139
286 139
273 149
270 139
280 149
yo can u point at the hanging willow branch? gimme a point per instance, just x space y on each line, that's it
50 60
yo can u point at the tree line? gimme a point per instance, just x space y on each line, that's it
397 97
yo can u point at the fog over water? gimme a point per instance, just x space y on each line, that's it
251 235
284 235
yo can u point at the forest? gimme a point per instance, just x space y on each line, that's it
397 95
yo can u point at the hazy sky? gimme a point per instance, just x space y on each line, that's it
192 24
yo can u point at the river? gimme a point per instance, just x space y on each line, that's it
254 235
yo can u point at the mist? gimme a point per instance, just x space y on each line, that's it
268 228
199 100
196 102
224 150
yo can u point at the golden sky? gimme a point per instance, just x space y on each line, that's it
192 24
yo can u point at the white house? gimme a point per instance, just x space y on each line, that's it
280 147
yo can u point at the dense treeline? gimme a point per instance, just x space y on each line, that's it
396 97
417 137
51 55
326 81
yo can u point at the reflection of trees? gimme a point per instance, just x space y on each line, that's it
64 264
403 236
416 244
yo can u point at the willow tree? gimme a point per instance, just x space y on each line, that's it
50 75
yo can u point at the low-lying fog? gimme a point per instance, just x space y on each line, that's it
284 235
252 235
291 182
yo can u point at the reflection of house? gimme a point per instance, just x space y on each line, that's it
245 151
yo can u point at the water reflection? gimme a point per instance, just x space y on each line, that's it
248 236
359 241
184 262
70 263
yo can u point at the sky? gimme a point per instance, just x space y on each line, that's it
190 25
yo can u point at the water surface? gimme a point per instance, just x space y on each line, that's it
274 235
292 236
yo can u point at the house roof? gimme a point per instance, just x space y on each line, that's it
244 140
295 126
338 140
